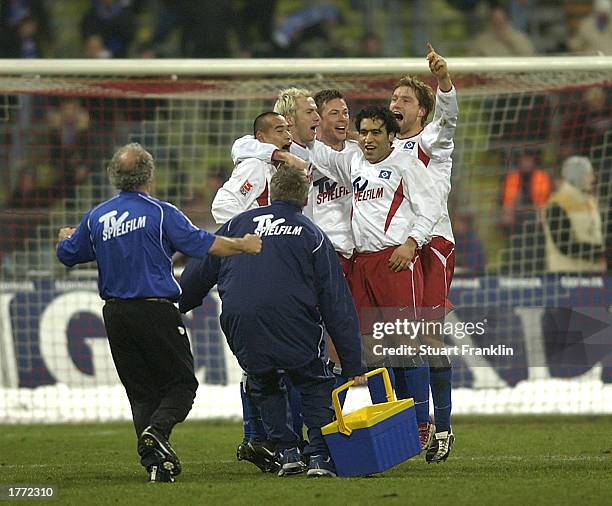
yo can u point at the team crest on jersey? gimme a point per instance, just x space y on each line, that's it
384 174
246 188
409 144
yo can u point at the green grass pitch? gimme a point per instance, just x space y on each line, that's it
497 460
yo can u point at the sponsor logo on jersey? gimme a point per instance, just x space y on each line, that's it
246 188
267 225
384 174
115 227
371 194
328 190
358 185
409 144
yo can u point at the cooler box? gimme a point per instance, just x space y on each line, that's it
374 438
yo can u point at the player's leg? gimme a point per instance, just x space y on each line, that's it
269 395
362 267
255 446
404 291
315 383
438 261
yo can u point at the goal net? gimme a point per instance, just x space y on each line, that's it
516 127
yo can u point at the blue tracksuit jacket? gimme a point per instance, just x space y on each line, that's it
274 303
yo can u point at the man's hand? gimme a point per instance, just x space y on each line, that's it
65 232
251 244
360 380
438 68
402 256
289 159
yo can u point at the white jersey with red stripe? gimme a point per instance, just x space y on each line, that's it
434 147
329 202
248 187
392 200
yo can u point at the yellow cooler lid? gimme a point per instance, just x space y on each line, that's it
369 416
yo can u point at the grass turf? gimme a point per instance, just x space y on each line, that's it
497 460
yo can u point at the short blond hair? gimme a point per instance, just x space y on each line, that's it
286 103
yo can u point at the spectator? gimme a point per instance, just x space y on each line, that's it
572 226
114 22
93 47
586 123
24 29
500 38
594 34
470 252
371 46
307 29
204 27
526 188
69 144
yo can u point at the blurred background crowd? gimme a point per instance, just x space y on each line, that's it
291 28
510 186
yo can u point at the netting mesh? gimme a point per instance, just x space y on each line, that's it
58 134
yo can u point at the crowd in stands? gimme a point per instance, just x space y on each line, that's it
289 28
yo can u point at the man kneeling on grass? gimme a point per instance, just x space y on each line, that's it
274 306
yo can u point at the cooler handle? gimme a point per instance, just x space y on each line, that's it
342 428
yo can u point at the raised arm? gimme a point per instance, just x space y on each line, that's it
420 191
75 245
248 146
438 135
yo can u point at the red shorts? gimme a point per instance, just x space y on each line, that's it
438 263
373 284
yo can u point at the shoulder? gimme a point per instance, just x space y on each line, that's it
351 146
250 167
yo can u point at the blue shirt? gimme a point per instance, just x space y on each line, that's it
275 303
133 237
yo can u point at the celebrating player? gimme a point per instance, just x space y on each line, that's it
395 208
411 103
249 183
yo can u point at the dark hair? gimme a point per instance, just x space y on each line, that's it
131 167
423 92
262 121
290 184
322 97
379 113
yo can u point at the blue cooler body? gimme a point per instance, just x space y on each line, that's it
374 438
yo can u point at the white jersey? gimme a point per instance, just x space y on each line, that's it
434 146
392 200
331 207
329 202
248 187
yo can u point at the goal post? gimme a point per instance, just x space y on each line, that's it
61 120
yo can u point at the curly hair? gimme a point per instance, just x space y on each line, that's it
131 167
423 92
